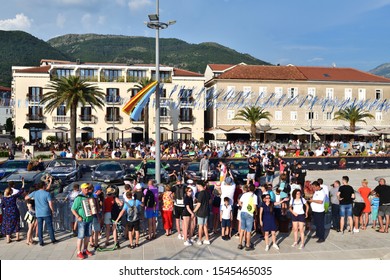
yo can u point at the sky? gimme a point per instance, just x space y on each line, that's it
345 33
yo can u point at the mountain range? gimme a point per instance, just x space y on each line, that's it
19 48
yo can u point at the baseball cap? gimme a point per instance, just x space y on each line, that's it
189 181
84 186
97 188
138 187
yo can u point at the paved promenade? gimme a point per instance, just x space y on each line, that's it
367 244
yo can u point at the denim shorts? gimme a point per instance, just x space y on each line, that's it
246 221
225 223
95 224
345 209
84 229
202 220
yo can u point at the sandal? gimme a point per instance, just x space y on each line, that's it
240 247
131 246
137 245
149 238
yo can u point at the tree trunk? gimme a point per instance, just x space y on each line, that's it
73 126
352 126
253 131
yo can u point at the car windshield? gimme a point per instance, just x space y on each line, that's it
109 167
193 167
239 165
15 164
61 163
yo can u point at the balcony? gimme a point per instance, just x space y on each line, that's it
88 119
186 119
35 118
164 119
60 119
113 119
186 104
112 100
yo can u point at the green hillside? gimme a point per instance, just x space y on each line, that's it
133 50
19 48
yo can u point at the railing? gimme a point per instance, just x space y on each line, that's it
186 104
60 119
187 119
113 119
91 119
114 100
37 118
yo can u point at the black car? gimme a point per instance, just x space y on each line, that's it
66 169
11 166
239 169
192 172
109 172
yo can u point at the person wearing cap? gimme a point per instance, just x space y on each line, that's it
365 192
108 205
84 220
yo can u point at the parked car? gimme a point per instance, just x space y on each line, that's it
110 172
66 169
31 179
11 166
192 172
150 167
239 169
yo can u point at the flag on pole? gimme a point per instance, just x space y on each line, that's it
129 106
136 114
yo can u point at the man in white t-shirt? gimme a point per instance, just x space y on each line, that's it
325 189
248 204
317 206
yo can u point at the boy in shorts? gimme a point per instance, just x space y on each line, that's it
226 218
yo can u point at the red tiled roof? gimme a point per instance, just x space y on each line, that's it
261 72
43 69
339 74
185 73
4 89
220 67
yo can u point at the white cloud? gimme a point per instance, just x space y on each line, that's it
60 20
86 20
139 4
20 22
316 59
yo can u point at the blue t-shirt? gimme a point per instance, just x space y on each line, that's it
41 199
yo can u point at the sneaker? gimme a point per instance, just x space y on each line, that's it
193 239
180 237
206 242
355 230
301 246
80 256
275 246
266 248
88 253
187 243
294 244
36 239
199 242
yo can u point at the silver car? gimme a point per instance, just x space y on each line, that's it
66 169
109 172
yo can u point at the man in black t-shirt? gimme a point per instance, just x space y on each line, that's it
300 174
202 212
383 191
346 195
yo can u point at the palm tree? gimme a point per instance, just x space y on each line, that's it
72 91
353 115
252 114
141 84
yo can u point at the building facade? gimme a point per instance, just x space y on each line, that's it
297 97
5 106
180 119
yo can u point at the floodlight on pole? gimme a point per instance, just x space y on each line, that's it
154 23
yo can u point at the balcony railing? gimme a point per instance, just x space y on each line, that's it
114 100
35 118
187 119
60 119
164 119
186 104
91 119
113 119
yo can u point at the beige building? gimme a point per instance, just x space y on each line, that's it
296 96
180 118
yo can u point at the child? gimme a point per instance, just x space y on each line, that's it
226 218
374 209
31 220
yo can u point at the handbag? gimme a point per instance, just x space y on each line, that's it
29 217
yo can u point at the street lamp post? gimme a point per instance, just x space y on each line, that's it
154 23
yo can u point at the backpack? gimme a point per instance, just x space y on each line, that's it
116 209
303 205
149 199
217 201
251 205
133 213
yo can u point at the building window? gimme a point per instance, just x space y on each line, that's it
230 93
378 116
231 114
311 92
185 96
112 75
34 94
292 92
163 112
112 95
61 110
278 92
329 93
135 75
328 116
362 93
347 93
134 91
165 76
293 115
185 115
112 113
263 90
278 115
378 94
87 74
246 93
311 116
63 73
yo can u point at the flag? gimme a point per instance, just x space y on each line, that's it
129 106
136 114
